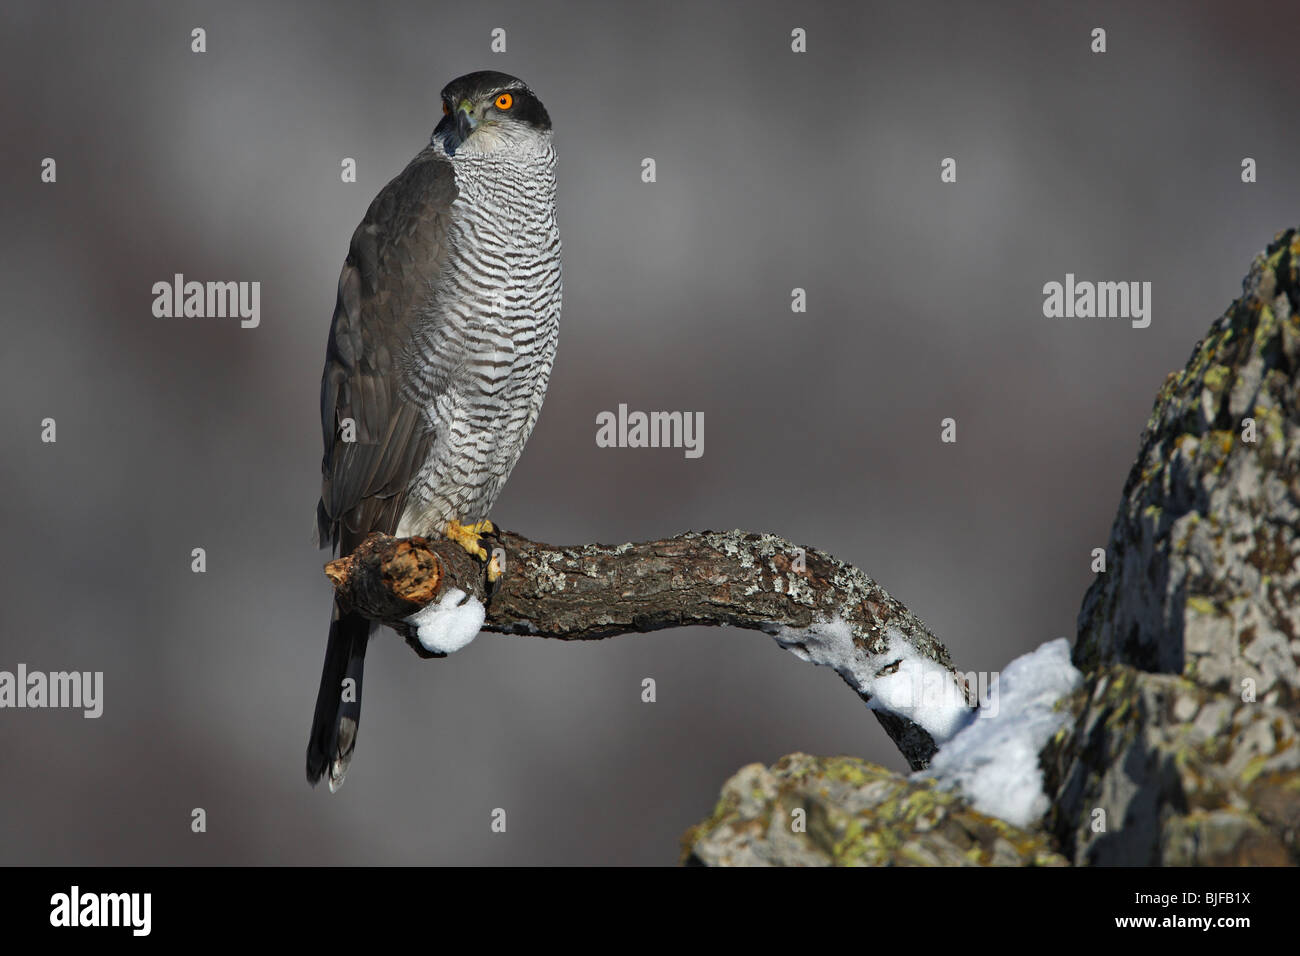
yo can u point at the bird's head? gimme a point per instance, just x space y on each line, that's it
488 111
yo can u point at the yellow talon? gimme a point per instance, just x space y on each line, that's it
468 536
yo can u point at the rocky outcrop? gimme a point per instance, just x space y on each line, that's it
1185 748
840 811
1203 579
1182 748
1159 771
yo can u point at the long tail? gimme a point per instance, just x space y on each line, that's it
338 702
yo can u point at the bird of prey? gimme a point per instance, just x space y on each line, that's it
439 354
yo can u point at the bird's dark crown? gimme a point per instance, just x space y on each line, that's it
488 84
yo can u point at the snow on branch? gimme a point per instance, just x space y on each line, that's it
820 609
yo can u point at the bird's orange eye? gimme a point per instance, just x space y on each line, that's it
445 109
505 101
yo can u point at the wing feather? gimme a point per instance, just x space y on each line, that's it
393 263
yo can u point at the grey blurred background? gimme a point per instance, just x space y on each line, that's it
775 170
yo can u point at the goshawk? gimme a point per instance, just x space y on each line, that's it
439 354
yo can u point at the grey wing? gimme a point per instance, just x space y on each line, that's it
393 266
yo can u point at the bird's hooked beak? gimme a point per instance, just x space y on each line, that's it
456 127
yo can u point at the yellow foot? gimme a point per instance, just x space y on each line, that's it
468 536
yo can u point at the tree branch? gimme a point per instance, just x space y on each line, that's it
821 609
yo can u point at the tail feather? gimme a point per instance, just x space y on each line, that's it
338 702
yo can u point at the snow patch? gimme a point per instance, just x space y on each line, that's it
899 680
994 760
921 690
450 624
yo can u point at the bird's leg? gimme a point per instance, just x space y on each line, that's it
469 536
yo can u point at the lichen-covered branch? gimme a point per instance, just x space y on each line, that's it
819 608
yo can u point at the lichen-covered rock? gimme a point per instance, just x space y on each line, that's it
1184 748
1159 771
1204 555
853 814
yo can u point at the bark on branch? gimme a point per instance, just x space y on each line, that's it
819 608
